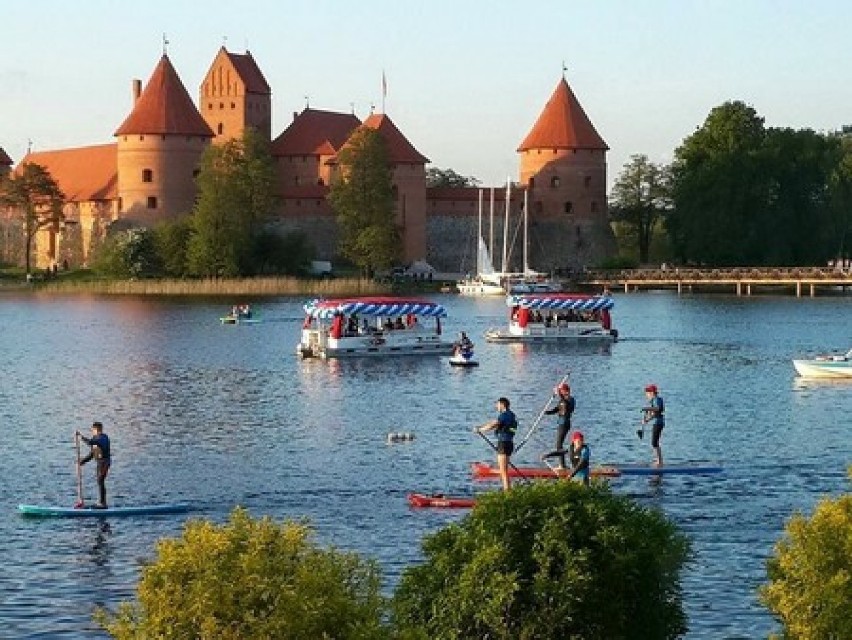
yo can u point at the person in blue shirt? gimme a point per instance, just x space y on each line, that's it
580 456
100 451
564 409
655 413
504 426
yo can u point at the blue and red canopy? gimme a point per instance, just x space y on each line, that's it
374 306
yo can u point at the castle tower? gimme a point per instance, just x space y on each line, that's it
159 146
563 167
235 95
5 163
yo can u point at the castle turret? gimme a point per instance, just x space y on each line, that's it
5 163
159 147
563 167
234 95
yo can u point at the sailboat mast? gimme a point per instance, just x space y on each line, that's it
526 231
479 238
506 225
491 227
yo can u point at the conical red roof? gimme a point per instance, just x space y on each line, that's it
563 125
164 107
400 150
5 160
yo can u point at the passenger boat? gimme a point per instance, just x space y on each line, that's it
826 366
557 317
373 326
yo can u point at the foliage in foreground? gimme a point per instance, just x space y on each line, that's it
548 560
810 573
251 579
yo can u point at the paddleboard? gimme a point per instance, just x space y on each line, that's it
233 320
485 471
440 501
697 468
41 511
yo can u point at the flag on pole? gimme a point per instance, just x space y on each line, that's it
384 85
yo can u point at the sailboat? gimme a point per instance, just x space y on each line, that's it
530 281
486 282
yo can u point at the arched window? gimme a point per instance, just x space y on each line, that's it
569 206
147 175
554 182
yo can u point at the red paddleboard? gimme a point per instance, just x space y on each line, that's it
483 470
440 501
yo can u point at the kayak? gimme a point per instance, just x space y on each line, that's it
39 511
440 501
483 470
697 468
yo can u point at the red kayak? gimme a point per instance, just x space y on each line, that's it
440 501
483 470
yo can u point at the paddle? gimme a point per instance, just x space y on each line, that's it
511 464
80 503
541 413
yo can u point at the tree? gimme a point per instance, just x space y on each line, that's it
38 198
810 573
276 253
363 200
436 177
251 579
235 184
171 240
840 198
128 253
640 197
548 560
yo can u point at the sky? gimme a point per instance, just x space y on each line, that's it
466 79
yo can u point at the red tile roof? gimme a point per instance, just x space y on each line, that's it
563 125
399 148
164 107
83 173
5 160
315 132
249 72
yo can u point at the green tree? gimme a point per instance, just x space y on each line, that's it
34 193
548 560
235 196
840 198
810 573
171 241
640 198
363 200
436 177
275 253
128 253
250 579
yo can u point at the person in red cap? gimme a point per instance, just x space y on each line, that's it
580 456
564 409
655 412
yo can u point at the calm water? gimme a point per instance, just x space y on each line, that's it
224 416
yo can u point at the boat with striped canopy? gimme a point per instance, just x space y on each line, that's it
373 326
557 317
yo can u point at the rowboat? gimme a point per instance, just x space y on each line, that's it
41 511
440 501
485 471
373 326
826 366
557 317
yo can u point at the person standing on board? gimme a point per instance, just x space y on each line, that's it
655 412
580 456
564 409
504 425
99 442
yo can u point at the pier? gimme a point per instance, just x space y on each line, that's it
740 280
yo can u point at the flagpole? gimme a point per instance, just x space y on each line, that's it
384 89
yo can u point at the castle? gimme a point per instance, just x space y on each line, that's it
149 173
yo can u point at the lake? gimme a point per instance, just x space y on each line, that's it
220 416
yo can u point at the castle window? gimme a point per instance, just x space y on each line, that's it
569 206
594 207
554 182
220 129
221 105
395 192
233 105
555 151
152 202
320 182
195 173
531 183
209 106
147 175
141 138
587 181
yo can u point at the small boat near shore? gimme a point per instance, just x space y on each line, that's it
373 326
826 366
41 511
440 501
557 317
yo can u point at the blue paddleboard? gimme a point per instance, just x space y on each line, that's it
39 511
667 469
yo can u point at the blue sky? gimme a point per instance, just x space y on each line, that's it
466 79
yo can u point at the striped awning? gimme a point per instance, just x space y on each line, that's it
578 302
324 309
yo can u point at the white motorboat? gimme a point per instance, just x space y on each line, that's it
826 366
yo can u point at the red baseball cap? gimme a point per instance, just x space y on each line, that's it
562 387
652 388
578 435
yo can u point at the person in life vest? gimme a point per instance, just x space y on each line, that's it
655 413
504 425
580 456
563 410
463 345
99 442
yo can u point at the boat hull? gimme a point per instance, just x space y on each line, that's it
422 500
41 511
484 471
827 368
550 334
462 360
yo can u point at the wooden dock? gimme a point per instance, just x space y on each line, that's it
742 280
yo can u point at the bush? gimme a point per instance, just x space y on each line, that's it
544 561
129 253
810 573
251 579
